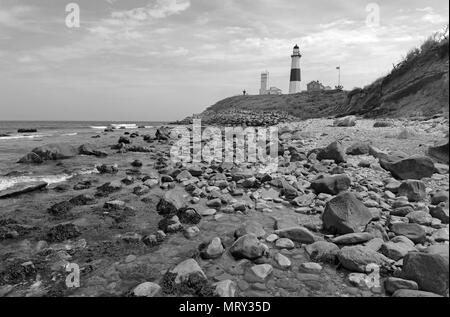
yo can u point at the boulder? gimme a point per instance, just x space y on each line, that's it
171 203
27 130
21 189
322 251
397 248
213 250
297 234
147 289
346 214
441 212
413 189
332 185
62 232
57 151
252 227
412 231
334 152
31 158
186 269
439 197
440 151
349 121
357 258
430 271
359 148
60 209
226 288
107 169
420 217
353 238
413 293
383 124
89 149
248 247
415 167
393 284
258 273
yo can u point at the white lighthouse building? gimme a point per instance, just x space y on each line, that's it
296 77
264 83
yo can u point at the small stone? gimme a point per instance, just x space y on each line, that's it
187 268
272 238
393 284
147 289
191 232
214 250
282 261
207 212
285 243
311 267
259 273
226 288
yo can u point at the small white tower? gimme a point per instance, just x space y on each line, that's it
296 76
264 83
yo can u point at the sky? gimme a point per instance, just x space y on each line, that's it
162 60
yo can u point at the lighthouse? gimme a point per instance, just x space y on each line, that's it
296 77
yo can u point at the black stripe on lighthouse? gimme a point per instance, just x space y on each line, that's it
295 75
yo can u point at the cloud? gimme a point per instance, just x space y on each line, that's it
13 17
158 9
431 16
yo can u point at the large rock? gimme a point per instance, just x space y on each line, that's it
332 185
346 214
412 231
186 269
248 247
359 148
441 212
57 151
334 152
440 151
91 150
297 234
31 158
252 227
226 288
415 167
349 121
353 238
147 289
393 284
413 293
430 271
413 189
357 258
21 189
398 248
171 203
322 251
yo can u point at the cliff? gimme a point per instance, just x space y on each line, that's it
416 87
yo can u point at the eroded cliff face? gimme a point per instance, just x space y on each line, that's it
418 87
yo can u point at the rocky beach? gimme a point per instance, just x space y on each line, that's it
356 208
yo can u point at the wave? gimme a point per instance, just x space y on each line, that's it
98 127
69 134
124 126
10 181
18 136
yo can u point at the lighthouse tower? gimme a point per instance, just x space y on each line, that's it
296 77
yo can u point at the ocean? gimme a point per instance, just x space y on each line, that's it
14 145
